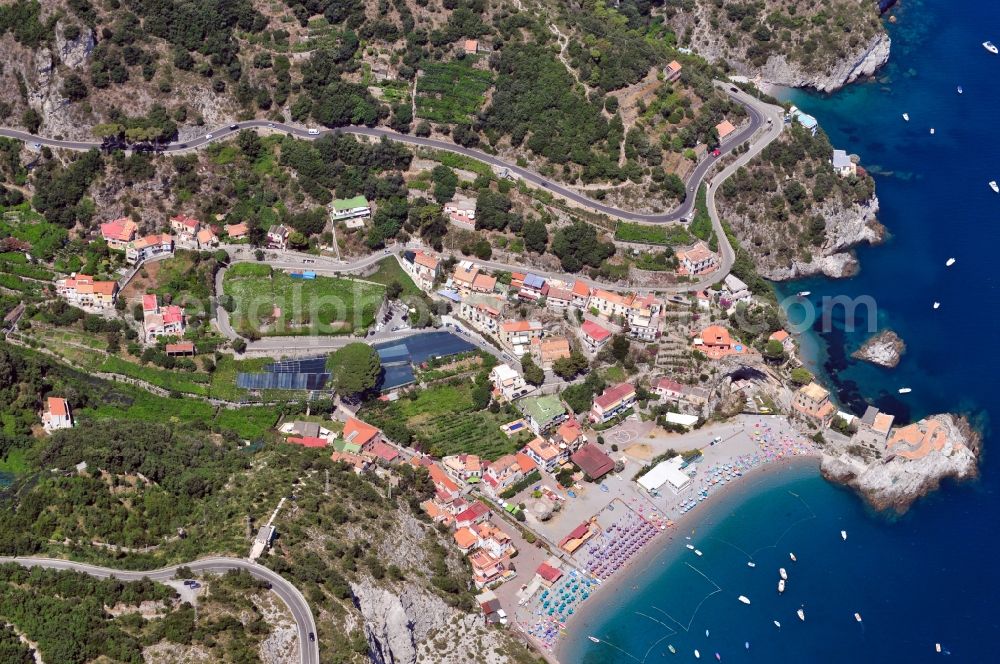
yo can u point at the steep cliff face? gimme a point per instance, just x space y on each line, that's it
863 62
792 43
846 227
897 482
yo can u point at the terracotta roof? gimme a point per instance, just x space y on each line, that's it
554 348
543 448
358 432
181 347
105 287
474 512
520 325
614 394
307 441
549 573
569 430
206 235
149 302
183 219
724 128
698 253
465 276
594 331
780 335
525 462
384 451
668 384
441 479
465 538
236 230
426 260
559 294
594 462
716 335
120 230
58 406
581 289
674 66
484 282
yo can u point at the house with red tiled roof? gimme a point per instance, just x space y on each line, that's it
581 294
160 321
464 467
206 239
184 225
546 454
146 247
466 539
486 569
307 441
569 434
237 231
787 341
357 462
506 471
592 460
180 348
699 259
384 451
119 232
517 335
612 402
483 283
547 351
482 312
475 513
84 291
548 574
594 336
57 415
556 297
672 71
668 388
493 540
424 267
724 129
716 343
359 436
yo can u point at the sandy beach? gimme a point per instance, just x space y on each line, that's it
662 547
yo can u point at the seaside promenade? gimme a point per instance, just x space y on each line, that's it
627 524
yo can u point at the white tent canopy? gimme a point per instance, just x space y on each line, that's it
665 472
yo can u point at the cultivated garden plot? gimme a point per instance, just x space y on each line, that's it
273 303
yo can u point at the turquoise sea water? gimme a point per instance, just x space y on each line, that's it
931 575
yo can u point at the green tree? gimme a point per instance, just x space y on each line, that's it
801 376
536 237
773 350
354 369
533 373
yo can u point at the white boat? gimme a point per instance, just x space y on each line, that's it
857 616
905 390
781 586
783 574
744 599
949 262
671 648
690 546
594 639
937 647
801 614
697 552
792 556
994 186
751 563
960 89
932 131
697 655
988 45
803 293
843 535
746 644
937 304
906 116
706 632
777 624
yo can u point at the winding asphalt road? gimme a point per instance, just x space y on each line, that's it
289 594
758 111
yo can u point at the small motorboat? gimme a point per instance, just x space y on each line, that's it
801 614
746 644
937 304
932 131
994 186
857 616
949 262
744 599
905 390
706 632
937 647
960 91
781 586
988 45
697 655
783 574
594 639
792 556
906 117
751 563
803 293
843 535
690 546
672 649
718 657
697 552
777 624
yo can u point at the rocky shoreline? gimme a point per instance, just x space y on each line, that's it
896 481
884 349
862 63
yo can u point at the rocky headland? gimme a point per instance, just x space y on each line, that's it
884 349
859 63
916 460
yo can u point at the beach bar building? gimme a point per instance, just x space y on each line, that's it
666 472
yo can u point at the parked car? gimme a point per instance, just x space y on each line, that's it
312 637
209 136
234 126
313 132
716 152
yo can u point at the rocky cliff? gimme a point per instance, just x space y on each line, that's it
857 64
895 482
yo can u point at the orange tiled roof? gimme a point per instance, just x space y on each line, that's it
358 432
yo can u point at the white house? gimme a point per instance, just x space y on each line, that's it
843 164
57 415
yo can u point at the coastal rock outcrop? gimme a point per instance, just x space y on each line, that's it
918 458
860 63
884 349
